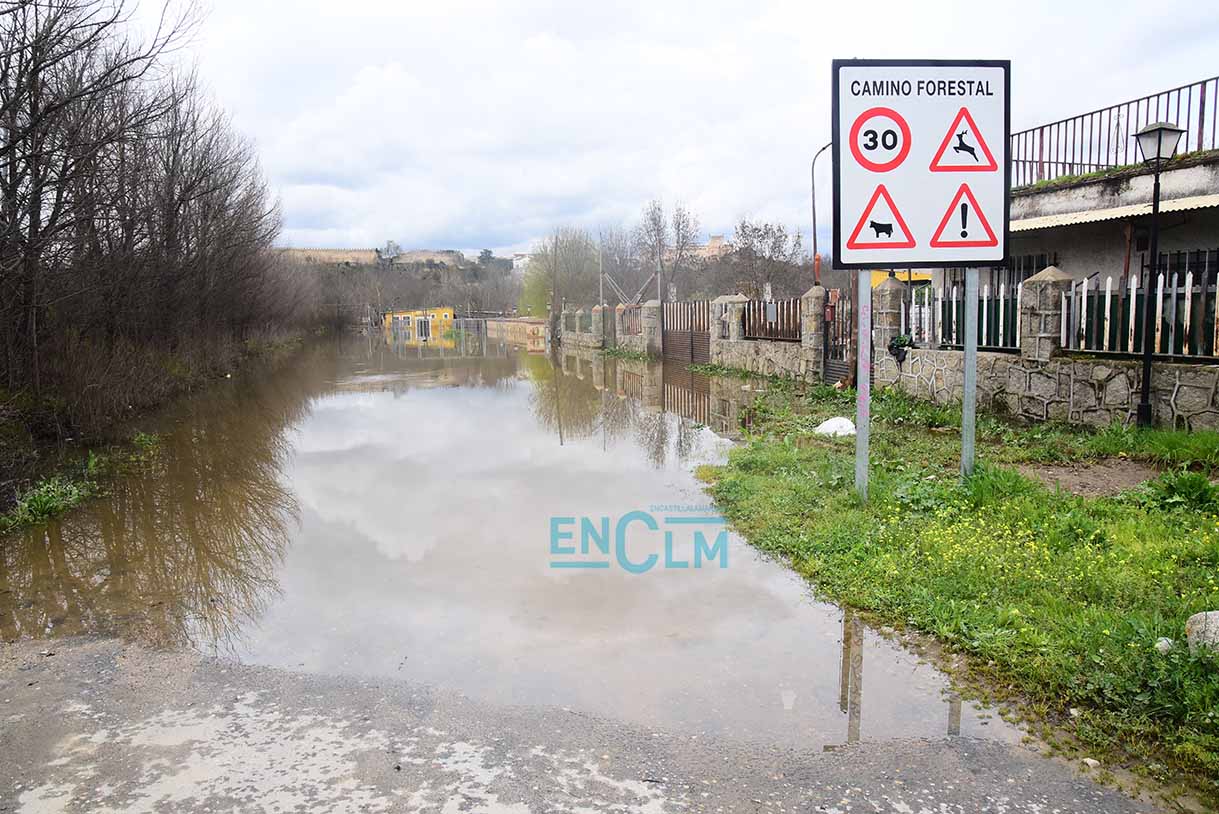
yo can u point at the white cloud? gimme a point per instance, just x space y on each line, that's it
470 124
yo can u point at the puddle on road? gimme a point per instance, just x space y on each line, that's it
388 513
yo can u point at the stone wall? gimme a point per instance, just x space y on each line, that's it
649 339
1079 390
797 360
788 359
592 338
1042 382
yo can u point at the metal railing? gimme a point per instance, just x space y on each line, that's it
632 320
1104 138
777 319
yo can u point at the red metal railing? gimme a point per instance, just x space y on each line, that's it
779 319
1104 138
632 320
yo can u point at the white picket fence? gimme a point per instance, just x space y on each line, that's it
1107 314
935 316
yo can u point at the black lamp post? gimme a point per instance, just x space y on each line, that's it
1157 142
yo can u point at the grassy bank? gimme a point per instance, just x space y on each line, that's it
91 396
1056 600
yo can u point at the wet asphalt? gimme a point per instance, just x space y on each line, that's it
97 725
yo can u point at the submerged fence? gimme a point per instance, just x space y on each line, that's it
1104 138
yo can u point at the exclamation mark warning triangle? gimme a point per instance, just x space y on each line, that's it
964 218
969 151
883 220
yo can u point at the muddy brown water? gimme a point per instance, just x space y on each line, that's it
388 512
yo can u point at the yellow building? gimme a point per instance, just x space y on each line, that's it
913 275
419 327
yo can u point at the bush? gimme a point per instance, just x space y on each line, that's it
1182 489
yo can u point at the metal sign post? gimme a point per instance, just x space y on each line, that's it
863 383
969 379
922 173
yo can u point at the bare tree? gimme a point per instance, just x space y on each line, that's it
762 253
668 243
135 224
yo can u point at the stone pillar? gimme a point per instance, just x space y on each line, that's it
812 331
735 311
722 316
887 312
1041 313
619 310
650 319
598 327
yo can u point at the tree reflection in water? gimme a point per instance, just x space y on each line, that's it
582 394
185 550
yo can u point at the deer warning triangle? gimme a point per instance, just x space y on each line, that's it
969 151
882 217
964 218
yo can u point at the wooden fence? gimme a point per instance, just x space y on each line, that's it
776 319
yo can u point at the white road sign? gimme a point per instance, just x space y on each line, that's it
921 165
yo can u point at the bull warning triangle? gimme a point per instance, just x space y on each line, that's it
970 152
967 219
889 217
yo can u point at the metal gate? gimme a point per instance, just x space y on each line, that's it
686 331
838 336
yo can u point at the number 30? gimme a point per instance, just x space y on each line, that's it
888 139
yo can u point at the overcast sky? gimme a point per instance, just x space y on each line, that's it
465 125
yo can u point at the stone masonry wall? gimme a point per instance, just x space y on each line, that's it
766 358
797 360
1078 390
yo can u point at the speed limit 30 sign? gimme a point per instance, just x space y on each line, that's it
921 164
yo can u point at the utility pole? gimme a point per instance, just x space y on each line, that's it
660 297
556 316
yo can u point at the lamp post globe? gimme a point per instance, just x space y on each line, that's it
1158 142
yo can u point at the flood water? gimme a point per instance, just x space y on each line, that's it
388 513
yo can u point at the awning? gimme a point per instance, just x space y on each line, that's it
1115 213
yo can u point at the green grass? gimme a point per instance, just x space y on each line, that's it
1057 599
625 353
49 497
55 494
